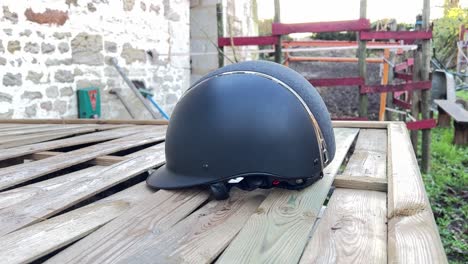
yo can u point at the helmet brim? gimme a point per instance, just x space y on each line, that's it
163 178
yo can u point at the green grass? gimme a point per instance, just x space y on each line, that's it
447 188
463 94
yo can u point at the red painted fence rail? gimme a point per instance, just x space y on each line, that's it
421 124
349 81
317 27
398 35
396 87
246 41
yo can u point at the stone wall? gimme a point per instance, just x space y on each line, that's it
49 49
239 19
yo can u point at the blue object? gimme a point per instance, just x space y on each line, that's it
158 107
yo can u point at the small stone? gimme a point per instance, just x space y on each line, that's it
13 17
77 72
56 62
66 91
52 92
11 79
13 46
143 6
46 105
171 99
5 98
34 61
40 34
3 61
86 49
31 110
155 9
19 62
31 95
31 47
7 115
128 5
89 83
47 48
110 46
8 31
34 77
60 106
26 33
131 54
63 47
2 49
62 35
64 76
108 60
91 7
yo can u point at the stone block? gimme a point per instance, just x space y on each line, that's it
4 97
47 48
31 95
86 49
128 5
13 46
62 35
31 111
56 62
11 16
60 106
132 55
63 47
46 105
10 79
110 46
49 16
52 92
34 77
64 76
31 47
91 7
26 33
67 91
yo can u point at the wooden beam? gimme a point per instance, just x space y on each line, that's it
317 27
362 55
278 46
246 41
412 232
403 76
85 121
362 124
413 86
361 183
334 59
349 81
404 65
397 35
421 124
102 161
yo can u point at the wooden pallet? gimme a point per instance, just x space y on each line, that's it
75 194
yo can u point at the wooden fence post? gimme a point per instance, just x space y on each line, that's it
278 46
219 18
426 94
363 100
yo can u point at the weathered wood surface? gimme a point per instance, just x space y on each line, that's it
370 155
49 203
33 242
23 172
361 183
352 230
412 232
279 230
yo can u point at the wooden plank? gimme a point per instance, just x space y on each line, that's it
456 111
279 231
361 124
31 139
202 236
50 235
421 124
352 230
369 158
412 232
50 202
85 121
35 130
20 173
78 140
337 81
361 183
333 59
413 86
102 161
317 27
138 226
397 35
246 41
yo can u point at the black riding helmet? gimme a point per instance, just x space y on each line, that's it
253 125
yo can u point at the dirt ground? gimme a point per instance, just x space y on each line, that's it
342 101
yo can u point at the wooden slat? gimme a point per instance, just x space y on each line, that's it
102 161
45 136
316 27
352 230
279 231
413 86
370 155
412 232
36 130
246 41
361 183
77 140
16 127
337 81
50 235
202 236
50 203
360 124
27 171
456 111
85 121
140 225
396 35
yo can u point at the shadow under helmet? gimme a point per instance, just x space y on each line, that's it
253 124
